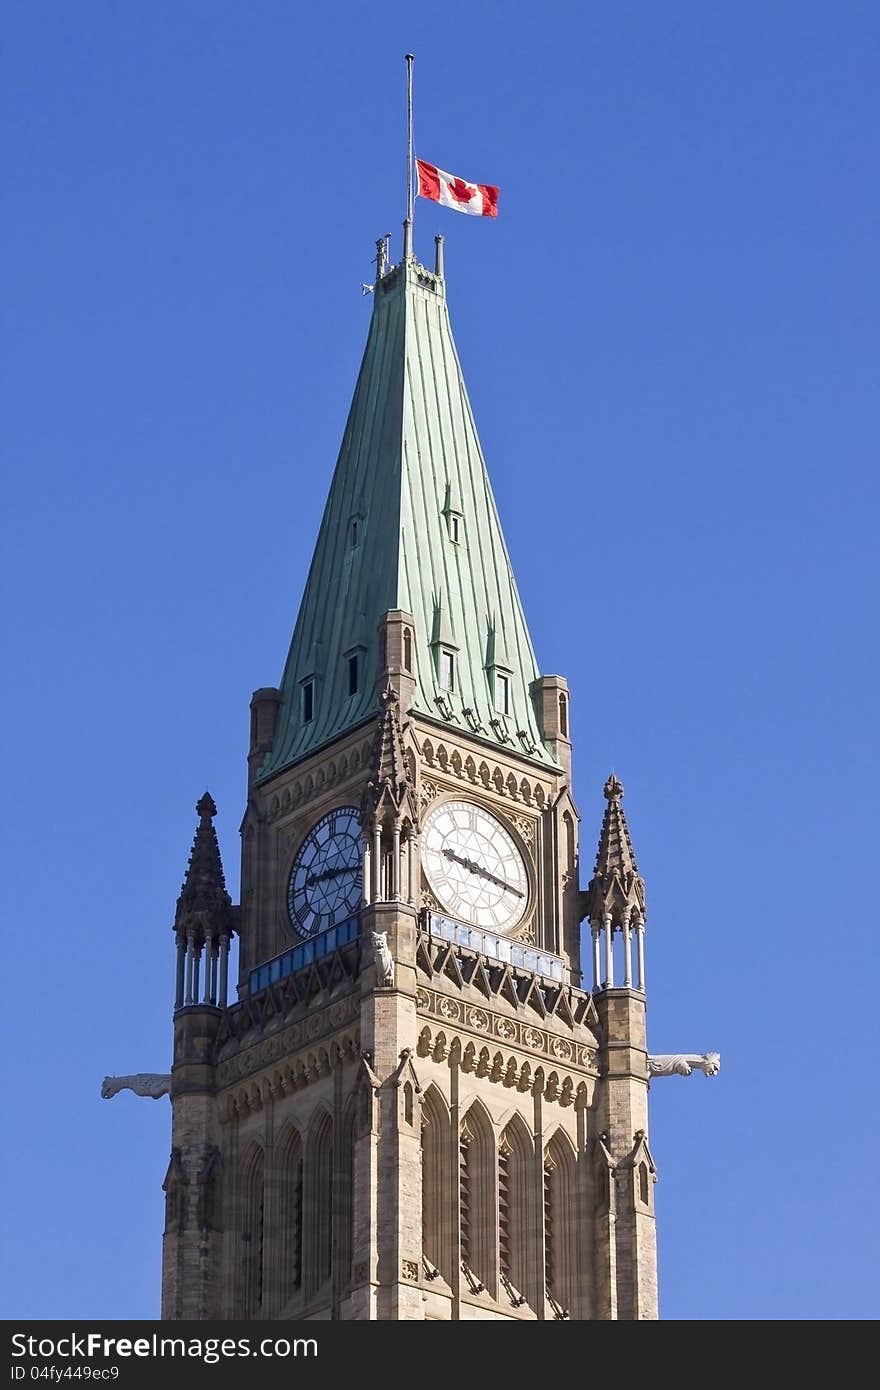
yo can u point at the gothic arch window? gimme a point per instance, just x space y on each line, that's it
210 1194
436 1195
174 1188
290 1215
476 1178
644 1185
515 1205
568 824
346 1188
318 1204
252 1231
408 1103
563 714
560 1225
407 649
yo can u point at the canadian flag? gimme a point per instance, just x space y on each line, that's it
479 199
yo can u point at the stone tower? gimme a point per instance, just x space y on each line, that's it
411 1106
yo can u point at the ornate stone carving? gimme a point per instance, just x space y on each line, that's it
143 1083
390 795
300 793
427 792
501 780
263 1051
478 1019
410 1271
683 1063
384 959
507 1069
505 1029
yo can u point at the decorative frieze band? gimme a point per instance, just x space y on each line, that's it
506 1068
509 1031
286 1041
325 776
503 782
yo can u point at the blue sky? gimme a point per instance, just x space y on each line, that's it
670 340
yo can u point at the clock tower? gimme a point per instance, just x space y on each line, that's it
411 1104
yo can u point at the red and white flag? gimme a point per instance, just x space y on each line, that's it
478 199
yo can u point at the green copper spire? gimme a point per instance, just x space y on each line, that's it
410 524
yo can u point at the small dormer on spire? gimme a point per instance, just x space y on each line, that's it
205 917
614 902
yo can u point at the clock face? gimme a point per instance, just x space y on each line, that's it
473 866
326 878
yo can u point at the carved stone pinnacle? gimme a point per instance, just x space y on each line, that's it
613 789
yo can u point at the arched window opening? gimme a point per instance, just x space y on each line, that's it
551 1273
563 715
291 1215
408 1103
319 1203
477 1199
346 1192
252 1234
561 1214
569 839
407 649
436 1194
644 1190
464 1169
515 1167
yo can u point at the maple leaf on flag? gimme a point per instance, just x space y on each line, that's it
462 192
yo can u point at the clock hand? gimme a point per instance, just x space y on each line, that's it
475 868
312 879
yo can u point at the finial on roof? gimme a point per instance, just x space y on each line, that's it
617 889
204 907
613 788
438 255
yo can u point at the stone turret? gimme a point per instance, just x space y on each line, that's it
614 901
204 919
625 1233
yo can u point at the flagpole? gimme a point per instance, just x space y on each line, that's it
408 224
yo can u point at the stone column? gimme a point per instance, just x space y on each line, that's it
190 957
224 970
377 862
609 953
181 970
